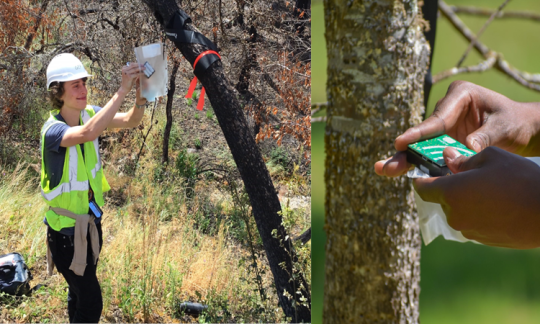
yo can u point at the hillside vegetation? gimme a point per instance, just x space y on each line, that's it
177 231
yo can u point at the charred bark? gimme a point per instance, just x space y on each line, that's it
259 186
242 85
249 63
31 36
304 237
168 111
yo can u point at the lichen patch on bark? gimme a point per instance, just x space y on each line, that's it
377 58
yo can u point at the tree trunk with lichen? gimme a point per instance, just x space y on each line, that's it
377 59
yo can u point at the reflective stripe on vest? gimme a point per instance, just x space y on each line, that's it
73 184
85 118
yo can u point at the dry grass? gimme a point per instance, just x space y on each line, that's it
160 247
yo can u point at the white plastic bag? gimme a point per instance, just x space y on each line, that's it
432 218
156 85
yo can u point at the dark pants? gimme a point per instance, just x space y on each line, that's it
84 297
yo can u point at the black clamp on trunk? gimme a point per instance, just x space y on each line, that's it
175 32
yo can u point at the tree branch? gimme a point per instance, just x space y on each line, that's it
321 119
66 47
36 25
535 78
481 67
524 78
221 24
480 32
488 12
462 28
304 237
168 110
505 67
318 107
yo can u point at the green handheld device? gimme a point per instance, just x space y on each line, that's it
427 155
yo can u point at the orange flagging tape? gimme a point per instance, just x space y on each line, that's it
193 83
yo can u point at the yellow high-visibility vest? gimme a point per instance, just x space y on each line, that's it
78 176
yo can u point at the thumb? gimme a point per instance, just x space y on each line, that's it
481 138
457 162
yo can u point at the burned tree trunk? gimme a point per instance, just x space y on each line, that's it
293 292
168 109
377 59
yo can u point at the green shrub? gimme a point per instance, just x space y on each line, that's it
186 166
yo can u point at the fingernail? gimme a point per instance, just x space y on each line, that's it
453 154
476 146
397 138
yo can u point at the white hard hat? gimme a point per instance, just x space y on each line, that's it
65 67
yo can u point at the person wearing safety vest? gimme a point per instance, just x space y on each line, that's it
72 178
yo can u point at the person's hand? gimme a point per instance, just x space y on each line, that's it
129 75
476 117
138 99
493 197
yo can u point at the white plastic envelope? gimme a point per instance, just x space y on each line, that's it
156 85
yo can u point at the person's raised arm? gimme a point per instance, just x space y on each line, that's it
133 117
97 124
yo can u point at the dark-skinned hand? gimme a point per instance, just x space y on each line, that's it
476 117
493 197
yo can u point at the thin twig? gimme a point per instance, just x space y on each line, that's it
488 12
506 68
503 66
535 78
321 119
221 24
286 68
480 32
69 11
462 28
149 129
318 106
481 67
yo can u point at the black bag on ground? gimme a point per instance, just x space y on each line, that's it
14 275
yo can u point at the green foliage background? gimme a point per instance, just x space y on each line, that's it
460 283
